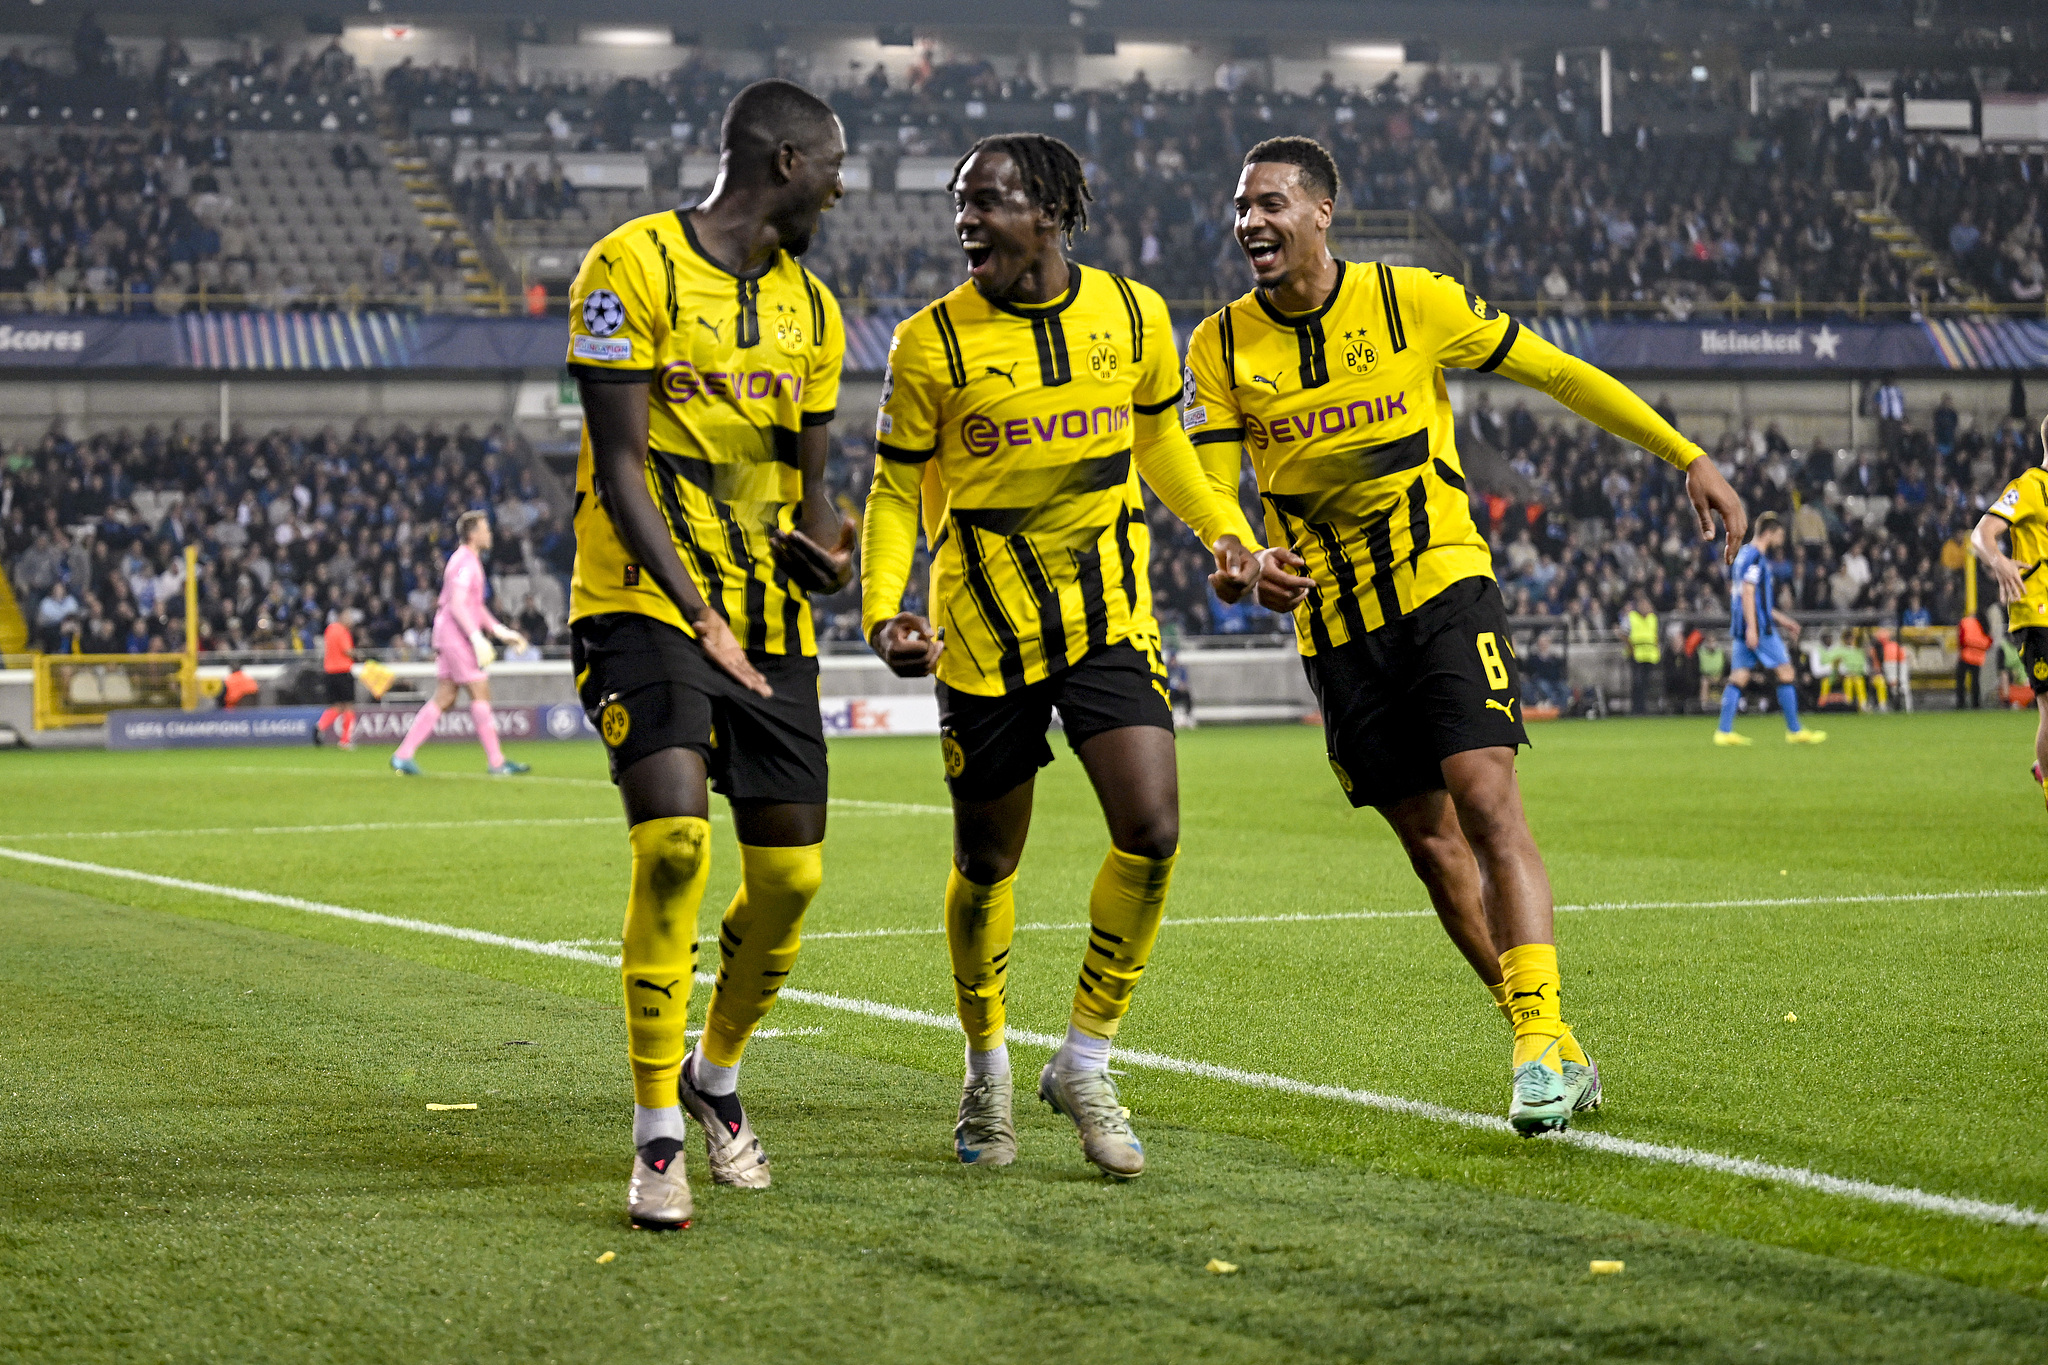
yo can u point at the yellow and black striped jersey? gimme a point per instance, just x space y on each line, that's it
736 365
1032 424
1348 422
2023 507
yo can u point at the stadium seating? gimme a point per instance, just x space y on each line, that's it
290 526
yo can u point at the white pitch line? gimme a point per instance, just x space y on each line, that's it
363 827
1868 1191
1196 920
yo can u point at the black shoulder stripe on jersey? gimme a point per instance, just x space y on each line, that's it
1123 287
1450 476
817 307
603 374
1055 366
668 268
1392 303
1203 438
1315 363
1500 352
1154 409
903 454
1227 334
956 364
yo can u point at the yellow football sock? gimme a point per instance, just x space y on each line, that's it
1499 991
671 858
980 922
1124 911
757 943
1530 974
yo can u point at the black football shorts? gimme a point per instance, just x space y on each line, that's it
992 745
647 686
1399 702
2033 643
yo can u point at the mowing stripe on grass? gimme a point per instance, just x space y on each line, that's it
1867 1191
837 803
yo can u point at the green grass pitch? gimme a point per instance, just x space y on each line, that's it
216 1142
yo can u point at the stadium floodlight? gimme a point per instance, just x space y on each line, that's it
626 37
1385 54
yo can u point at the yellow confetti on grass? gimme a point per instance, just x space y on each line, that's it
443 1108
1216 1267
608 1258
1606 1267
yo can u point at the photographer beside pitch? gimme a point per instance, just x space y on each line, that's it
1330 375
2021 512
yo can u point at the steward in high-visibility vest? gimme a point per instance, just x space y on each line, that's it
1642 634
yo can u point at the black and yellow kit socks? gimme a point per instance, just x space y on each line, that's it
671 859
980 922
1531 985
1124 911
757 943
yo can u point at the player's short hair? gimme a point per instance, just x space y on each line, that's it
1318 169
467 523
1050 170
1767 521
769 113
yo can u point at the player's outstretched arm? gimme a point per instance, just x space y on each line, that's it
1987 543
1168 464
616 415
1606 402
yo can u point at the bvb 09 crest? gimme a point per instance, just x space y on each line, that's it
789 329
1102 361
1360 356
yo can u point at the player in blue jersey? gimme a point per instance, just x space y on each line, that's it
1754 634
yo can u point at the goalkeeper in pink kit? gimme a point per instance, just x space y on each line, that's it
463 631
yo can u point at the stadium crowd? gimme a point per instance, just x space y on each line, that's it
291 526
1543 207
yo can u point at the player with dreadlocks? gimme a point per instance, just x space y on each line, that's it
1021 409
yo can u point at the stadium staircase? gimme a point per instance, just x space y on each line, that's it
13 625
1903 241
482 287
1396 237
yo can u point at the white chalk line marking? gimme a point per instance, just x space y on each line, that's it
1868 1191
1198 920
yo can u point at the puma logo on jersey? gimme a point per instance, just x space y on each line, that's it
1506 708
708 326
1272 384
1009 374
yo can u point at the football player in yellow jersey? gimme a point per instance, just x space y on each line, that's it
1022 408
708 361
2021 513
1330 374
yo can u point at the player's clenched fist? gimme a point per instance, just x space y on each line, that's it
906 643
1281 588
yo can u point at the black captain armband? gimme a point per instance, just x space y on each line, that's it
1500 352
